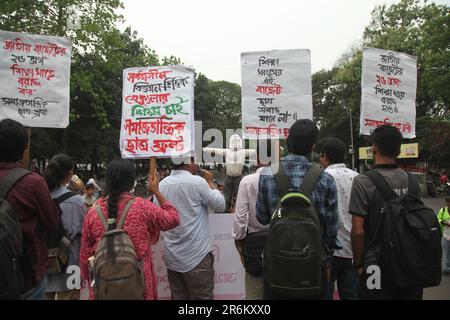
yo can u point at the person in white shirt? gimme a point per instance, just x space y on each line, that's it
332 155
188 250
250 235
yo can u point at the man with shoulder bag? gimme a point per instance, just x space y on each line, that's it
251 236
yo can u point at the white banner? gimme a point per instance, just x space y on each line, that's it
276 91
229 279
35 79
157 112
388 88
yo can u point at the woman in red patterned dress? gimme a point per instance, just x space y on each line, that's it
143 222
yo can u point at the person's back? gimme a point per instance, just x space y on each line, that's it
192 197
343 177
363 199
73 214
365 205
250 236
332 156
143 223
58 174
302 137
188 253
31 200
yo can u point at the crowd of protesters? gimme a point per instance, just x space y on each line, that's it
108 233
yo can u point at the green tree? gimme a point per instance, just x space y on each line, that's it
415 27
217 104
337 98
421 29
100 53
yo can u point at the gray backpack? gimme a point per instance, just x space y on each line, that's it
118 275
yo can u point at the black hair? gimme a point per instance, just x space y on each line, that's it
388 140
13 140
302 136
120 177
334 149
57 169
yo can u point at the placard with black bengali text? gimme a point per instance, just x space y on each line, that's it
388 91
276 91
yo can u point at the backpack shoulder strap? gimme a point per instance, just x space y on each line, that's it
413 185
381 185
102 218
10 180
282 180
64 197
310 179
125 213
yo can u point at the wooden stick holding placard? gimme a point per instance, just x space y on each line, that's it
26 153
152 167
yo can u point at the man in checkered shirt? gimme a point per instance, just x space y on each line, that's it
302 138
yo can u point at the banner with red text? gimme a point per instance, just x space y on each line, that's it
157 112
35 79
388 91
229 274
276 91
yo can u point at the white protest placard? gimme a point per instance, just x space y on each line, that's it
157 112
276 91
229 274
35 79
388 91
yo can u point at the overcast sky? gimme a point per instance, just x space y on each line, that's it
210 34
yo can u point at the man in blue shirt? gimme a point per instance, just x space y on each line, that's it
302 138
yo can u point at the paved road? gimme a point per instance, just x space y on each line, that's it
443 291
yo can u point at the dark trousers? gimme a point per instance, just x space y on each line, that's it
230 190
343 271
387 291
197 284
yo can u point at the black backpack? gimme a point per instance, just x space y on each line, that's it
12 268
58 243
294 255
407 239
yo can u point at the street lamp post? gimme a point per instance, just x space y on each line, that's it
352 150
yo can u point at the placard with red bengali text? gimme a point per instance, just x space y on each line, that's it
388 91
35 79
276 91
157 112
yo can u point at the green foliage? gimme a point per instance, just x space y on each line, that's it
415 27
217 104
421 29
100 53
